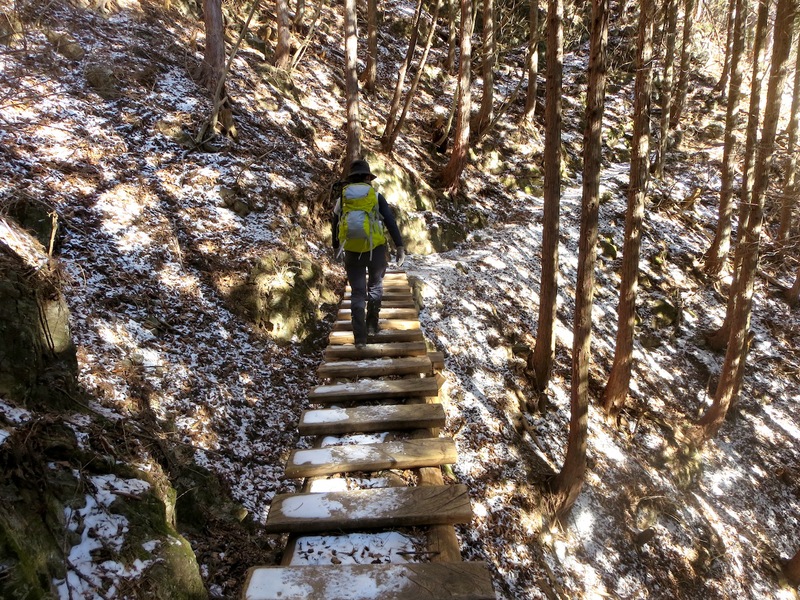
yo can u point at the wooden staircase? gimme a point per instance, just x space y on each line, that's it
390 386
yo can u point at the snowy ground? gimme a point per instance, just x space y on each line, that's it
152 253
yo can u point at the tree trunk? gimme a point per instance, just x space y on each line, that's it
458 159
351 82
793 294
686 59
735 357
300 12
389 144
401 77
570 480
372 46
792 569
541 359
791 188
718 253
485 113
671 18
214 54
733 13
533 62
619 379
719 339
450 62
282 48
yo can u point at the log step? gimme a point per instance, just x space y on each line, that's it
365 419
374 389
414 581
384 336
403 303
349 351
391 295
385 325
386 313
429 452
375 367
369 509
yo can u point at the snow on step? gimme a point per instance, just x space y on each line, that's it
414 581
385 324
369 509
386 313
373 389
398 349
365 419
375 367
384 336
428 452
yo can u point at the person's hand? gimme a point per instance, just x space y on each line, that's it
400 256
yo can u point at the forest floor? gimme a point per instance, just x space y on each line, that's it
153 255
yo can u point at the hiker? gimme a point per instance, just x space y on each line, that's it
360 221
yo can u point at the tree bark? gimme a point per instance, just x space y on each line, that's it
282 48
372 46
401 77
541 359
722 84
450 62
487 67
671 17
533 62
458 158
719 339
718 253
214 53
351 82
792 569
736 355
686 59
616 390
791 188
792 295
570 480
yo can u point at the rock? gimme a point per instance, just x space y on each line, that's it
10 29
66 45
103 80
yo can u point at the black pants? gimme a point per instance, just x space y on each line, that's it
365 275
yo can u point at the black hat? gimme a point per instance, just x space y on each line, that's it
360 168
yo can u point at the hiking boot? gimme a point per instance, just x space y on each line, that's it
373 308
359 327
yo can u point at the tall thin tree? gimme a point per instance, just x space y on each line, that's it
353 150
671 19
791 187
722 84
619 378
458 158
282 56
214 52
686 58
533 61
541 359
487 68
748 248
570 480
718 253
371 72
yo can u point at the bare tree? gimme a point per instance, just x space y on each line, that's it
748 248
351 81
533 61
686 59
722 84
718 253
570 480
671 17
371 73
792 295
450 61
458 158
282 56
487 68
791 187
214 53
719 338
541 359
616 390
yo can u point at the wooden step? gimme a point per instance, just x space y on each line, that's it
349 351
437 358
369 509
365 419
388 295
376 367
374 389
404 303
385 325
388 286
384 336
386 313
413 581
410 454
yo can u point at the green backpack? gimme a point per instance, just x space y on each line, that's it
360 221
